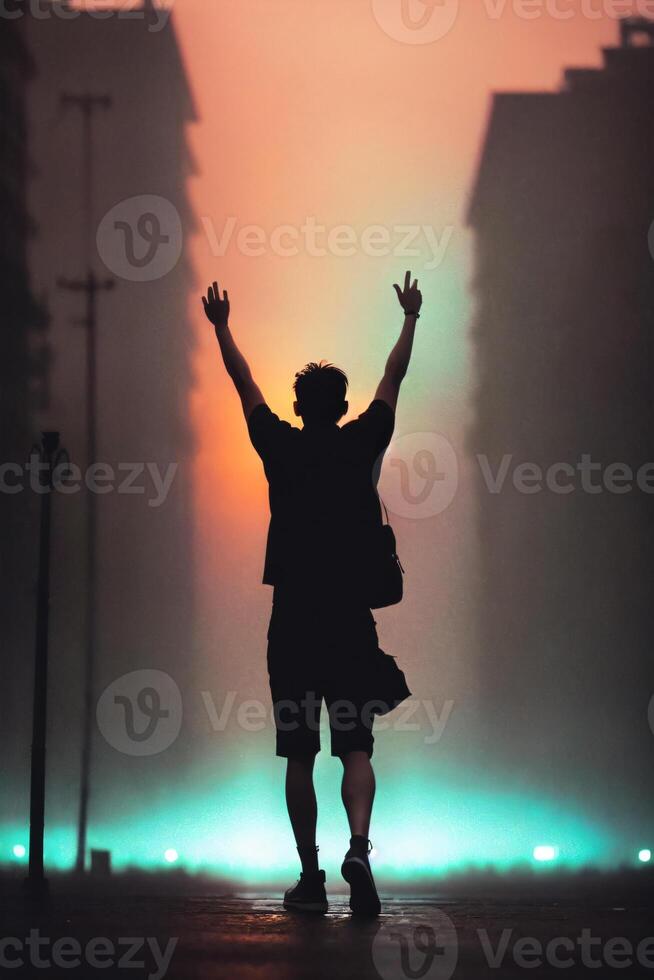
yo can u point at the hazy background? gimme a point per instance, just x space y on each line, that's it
269 114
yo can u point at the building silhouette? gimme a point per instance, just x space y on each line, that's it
561 209
23 378
145 347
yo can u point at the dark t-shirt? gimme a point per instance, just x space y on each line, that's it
323 497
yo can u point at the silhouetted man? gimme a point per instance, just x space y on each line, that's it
322 639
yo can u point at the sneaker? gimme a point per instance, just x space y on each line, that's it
308 895
364 899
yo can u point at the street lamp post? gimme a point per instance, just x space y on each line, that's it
91 286
49 455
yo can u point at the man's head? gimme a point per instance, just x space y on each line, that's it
320 391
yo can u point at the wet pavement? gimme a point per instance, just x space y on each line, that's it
247 937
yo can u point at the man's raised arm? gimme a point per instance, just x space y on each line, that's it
217 311
398 362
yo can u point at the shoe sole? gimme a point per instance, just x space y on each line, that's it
314 907
364 899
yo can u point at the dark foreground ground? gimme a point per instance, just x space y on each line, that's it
596 928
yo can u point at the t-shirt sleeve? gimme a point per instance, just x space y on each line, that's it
376 426
267 431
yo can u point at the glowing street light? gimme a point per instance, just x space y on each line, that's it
18 850
545 852
171 855
645 855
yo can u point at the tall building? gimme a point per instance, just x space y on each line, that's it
23 375
562 211
141 164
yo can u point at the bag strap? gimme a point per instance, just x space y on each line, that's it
388 520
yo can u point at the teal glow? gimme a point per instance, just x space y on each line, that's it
456 822
19 851
545 852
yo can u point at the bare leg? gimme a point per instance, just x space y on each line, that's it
301 801
309 894
358 791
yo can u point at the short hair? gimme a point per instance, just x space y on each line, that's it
320 390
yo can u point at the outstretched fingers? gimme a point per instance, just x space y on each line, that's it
410 289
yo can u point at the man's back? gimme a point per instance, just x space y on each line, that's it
323 497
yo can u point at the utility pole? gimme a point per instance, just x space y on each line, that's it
49 457
90 285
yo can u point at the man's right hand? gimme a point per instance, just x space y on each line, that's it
410 297
216 309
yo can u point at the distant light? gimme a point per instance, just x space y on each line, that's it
645 855
20 852
374 853
171 855
545 852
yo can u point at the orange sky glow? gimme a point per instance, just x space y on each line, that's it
308 109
